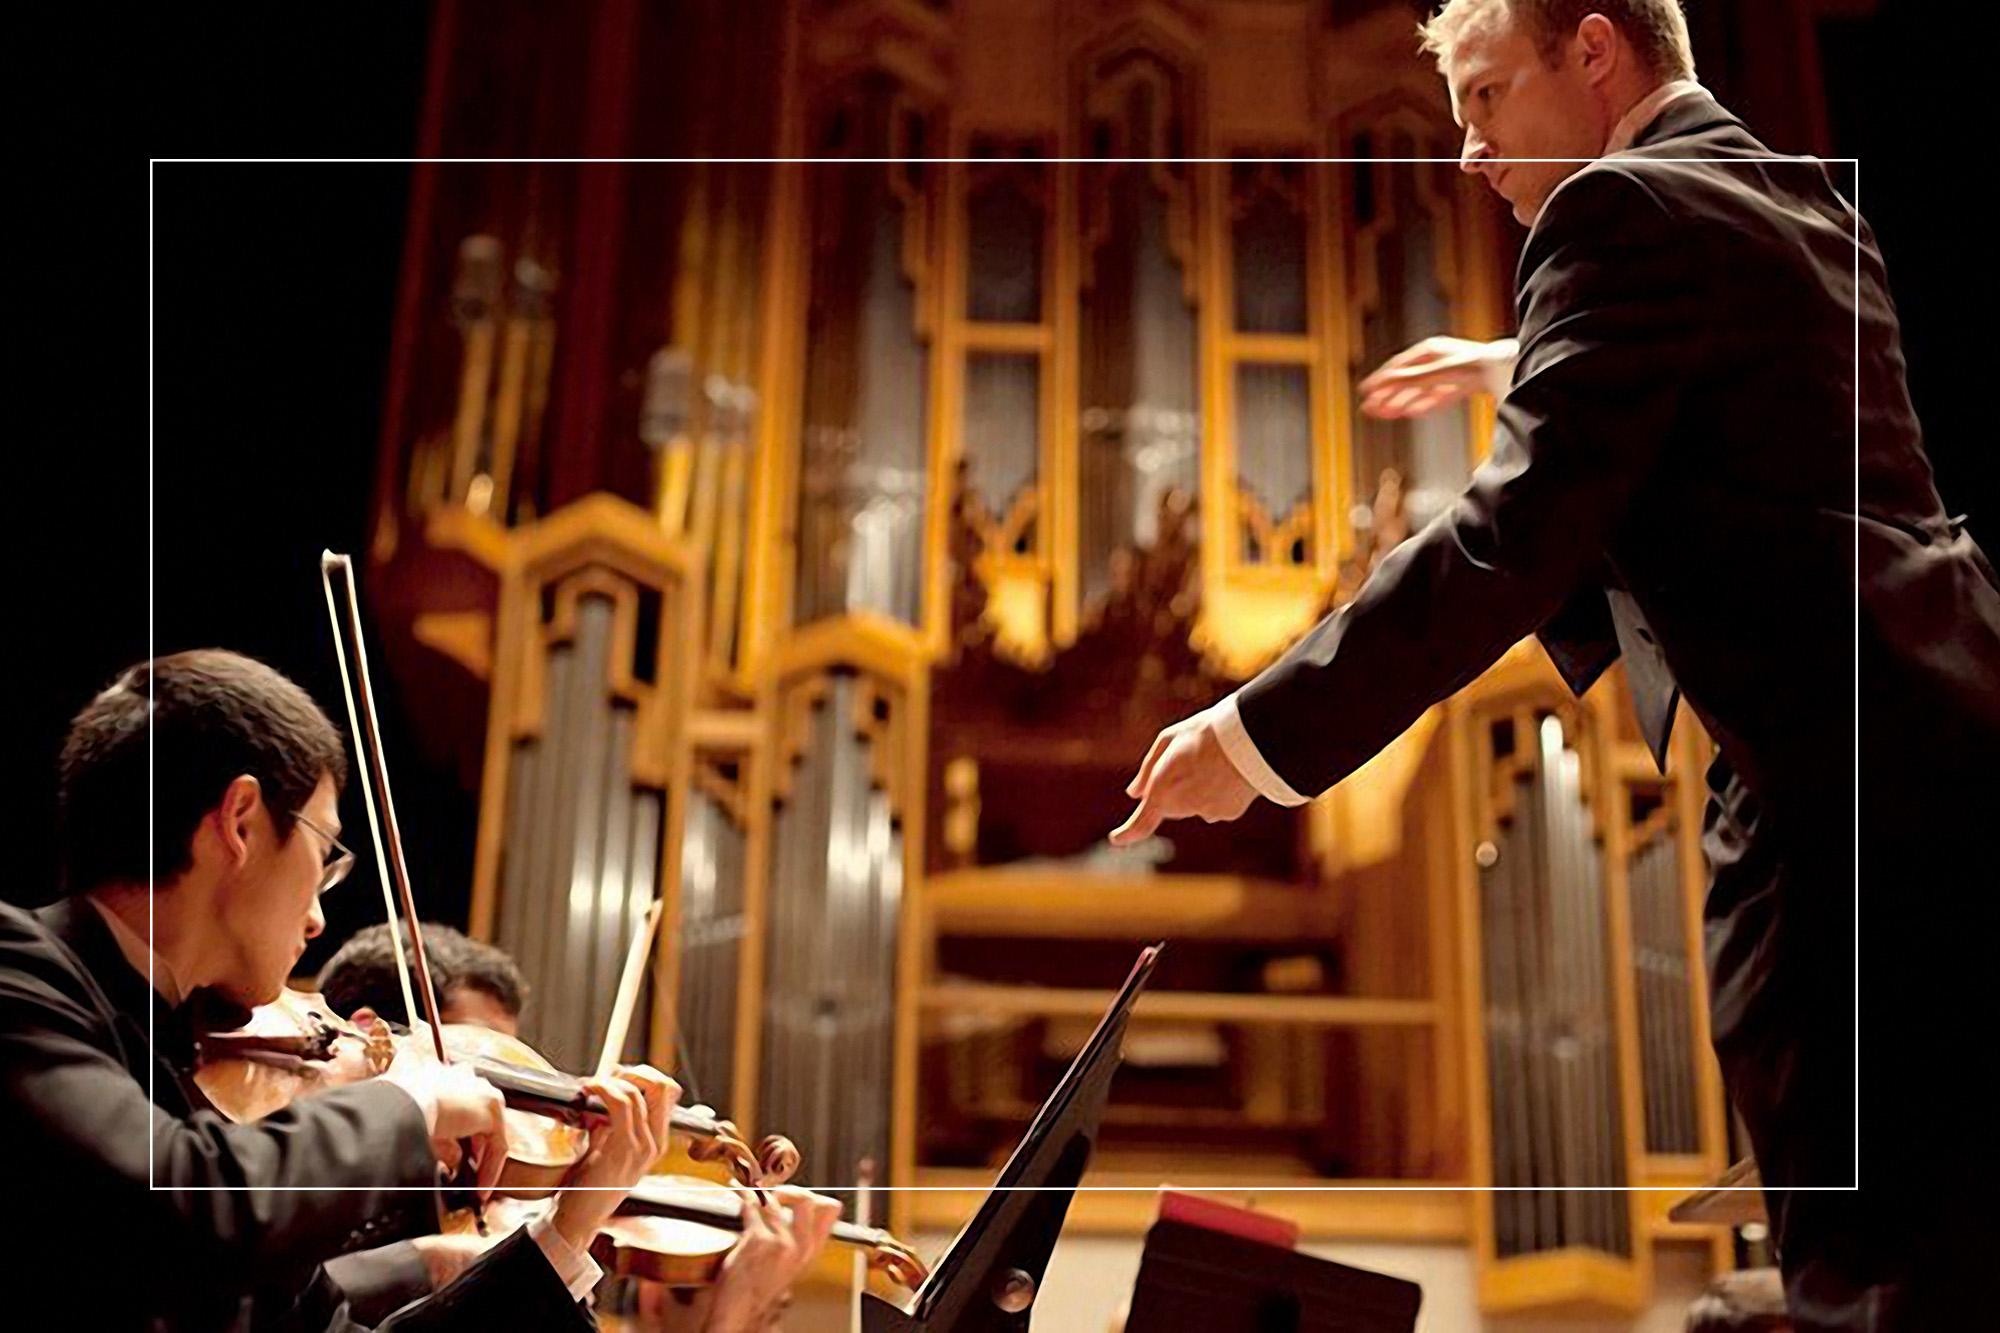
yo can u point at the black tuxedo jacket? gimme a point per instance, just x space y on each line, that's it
1707 460
1680 434
154 1212
1675 479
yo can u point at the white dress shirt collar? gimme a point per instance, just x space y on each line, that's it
1645 109
139 953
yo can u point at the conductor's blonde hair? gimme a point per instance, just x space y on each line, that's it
1656 29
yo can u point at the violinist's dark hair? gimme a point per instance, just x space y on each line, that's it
163 743
363 970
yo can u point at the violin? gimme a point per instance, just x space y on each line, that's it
296 1045
671 1229
678 1230
289 1048
667 1223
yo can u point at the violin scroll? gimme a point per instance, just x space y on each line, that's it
770 1163
897 1261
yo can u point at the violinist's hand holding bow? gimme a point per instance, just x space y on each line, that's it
641 1101
457 1104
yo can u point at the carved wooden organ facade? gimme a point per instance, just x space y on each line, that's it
817 544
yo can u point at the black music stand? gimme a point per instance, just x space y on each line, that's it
1193 1279
988 1279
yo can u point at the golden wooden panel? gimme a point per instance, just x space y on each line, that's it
466 637
1568 1284
1027 903
1357 1210
1332 1011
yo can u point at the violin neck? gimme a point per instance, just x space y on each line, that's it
556 1095
725 1211
853 1233
562 1096
693 1125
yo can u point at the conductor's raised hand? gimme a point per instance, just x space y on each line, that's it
1435 373
1185 775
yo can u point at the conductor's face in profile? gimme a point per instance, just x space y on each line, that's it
1517 102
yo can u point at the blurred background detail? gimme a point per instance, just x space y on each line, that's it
819 542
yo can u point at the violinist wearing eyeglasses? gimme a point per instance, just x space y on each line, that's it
217 780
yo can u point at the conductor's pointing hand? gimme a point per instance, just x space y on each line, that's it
1186 775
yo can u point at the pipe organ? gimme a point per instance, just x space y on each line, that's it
863 447
1140 418
1548 1005
714 923
832 939
585 765
1663 979
826 491
1400 221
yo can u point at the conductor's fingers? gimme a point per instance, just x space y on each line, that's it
1417 359
1140 824
1390 373
1158 748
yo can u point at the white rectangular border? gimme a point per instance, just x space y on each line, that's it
151 649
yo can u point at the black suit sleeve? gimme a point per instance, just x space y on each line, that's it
379 1281
1611 327
511 1286
88 1133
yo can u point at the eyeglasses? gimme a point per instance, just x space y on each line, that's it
339 860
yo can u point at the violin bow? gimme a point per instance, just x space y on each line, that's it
328 562
774 1158
864 1209
620 1023
381 806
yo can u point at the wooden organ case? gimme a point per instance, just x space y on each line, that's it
818 544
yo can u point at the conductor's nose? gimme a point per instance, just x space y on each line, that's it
1476 153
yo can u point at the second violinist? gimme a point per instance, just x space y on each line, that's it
480 984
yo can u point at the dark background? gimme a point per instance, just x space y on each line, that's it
271 294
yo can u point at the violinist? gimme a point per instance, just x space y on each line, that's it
476 982
480 984
198 800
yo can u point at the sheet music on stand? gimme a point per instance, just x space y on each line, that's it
1206 1271
988 1280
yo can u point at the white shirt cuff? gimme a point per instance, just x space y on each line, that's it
1498 370
578 1271
426 1104
1242 752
